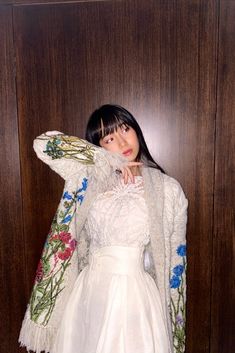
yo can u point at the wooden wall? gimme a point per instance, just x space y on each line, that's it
171 63
223 265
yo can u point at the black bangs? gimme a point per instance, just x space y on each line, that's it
104 122
108 126
105 126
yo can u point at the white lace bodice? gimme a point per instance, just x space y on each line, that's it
119 216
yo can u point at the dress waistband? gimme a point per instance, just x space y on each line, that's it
124 260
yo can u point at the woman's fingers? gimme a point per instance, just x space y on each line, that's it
130 175
125 176
126 173
133 164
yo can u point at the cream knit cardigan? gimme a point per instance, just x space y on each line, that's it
87 171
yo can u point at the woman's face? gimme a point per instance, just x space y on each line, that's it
123 141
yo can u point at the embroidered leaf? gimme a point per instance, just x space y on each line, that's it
63 146
55 260
63 227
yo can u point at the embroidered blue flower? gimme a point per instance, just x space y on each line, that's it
181 250
67 196
57 141
84 185
80 198
177 307
175 282
53 150
67 219
178 270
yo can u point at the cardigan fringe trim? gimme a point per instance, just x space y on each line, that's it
36 337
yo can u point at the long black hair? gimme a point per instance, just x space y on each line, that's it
106 119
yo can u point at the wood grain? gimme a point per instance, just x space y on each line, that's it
223 283
45 2
12 249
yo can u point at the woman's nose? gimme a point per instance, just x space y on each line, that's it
121 140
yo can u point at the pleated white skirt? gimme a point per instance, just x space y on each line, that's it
114 307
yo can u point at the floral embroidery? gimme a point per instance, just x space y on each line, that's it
55 259
181 250
63 146
177 307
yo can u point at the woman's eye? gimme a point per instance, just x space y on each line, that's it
108 140
125 128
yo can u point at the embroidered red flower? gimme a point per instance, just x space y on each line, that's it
73 244
65 237
39 272
64 255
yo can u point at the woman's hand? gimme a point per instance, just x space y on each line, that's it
128 171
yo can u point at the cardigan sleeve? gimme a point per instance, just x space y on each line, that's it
178 266
68 155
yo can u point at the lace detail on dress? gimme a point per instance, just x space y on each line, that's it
119 216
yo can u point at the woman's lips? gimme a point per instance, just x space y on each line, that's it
127 152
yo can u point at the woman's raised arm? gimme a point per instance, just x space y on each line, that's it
68 155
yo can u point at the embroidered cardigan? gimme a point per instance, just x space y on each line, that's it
88 170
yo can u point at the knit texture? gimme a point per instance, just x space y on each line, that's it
89 170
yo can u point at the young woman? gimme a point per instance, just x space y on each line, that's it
111 278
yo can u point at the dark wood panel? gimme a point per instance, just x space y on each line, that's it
12 251
187 109
42 2
159 60
223 283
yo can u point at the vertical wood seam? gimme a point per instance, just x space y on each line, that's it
217 50
19 148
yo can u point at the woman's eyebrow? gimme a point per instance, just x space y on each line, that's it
110 133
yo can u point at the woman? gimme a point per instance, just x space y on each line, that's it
120 216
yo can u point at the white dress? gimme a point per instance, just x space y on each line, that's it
115 305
